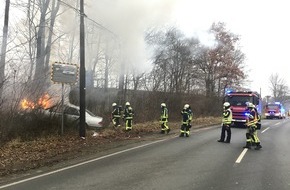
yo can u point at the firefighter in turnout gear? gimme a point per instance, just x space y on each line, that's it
226 123
128 116
190 116
116 115
251 135
184 130
164 119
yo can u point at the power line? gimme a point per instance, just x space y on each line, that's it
85 16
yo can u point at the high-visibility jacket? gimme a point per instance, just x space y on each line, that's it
190 115
185 117
128 113
252 118
116 113
227 117
164 114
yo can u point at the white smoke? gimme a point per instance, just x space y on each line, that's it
129 19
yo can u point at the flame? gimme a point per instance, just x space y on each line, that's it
43 102
26 104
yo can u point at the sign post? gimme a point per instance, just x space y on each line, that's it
65 74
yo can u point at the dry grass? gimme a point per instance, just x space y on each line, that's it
18 156
152 127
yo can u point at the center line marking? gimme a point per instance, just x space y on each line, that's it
265 130
241 156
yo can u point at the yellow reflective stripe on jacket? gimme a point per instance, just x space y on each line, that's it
254 121
190 115
228 120
164 113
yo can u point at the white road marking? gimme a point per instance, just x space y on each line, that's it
278 123
265 130
79 164
241 156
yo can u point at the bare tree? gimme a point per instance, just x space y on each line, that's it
48 9
278 87
172 60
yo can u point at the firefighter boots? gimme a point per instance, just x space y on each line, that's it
258 146
248 145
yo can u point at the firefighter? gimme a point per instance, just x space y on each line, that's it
128 116
251 135
226 123
116 115
164 119
184 130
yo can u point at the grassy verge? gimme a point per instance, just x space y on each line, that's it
19 156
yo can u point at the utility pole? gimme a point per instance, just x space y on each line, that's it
3 47
82 129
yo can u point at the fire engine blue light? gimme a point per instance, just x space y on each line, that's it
228 90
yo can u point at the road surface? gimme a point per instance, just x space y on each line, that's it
197 162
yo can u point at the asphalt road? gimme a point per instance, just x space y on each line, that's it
197 162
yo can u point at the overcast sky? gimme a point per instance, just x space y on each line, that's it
262 25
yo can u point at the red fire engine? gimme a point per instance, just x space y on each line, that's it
238 101
275 110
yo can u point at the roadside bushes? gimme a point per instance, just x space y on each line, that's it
27 126
146 104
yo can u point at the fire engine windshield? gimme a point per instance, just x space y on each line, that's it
273 106
238 100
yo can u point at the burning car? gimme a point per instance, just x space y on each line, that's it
72 114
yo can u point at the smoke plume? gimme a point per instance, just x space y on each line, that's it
129 19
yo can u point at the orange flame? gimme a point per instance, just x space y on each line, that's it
43 102
26 104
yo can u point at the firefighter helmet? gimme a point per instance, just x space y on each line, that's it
186 106
250 105
163 105
114 104
127 104
226 105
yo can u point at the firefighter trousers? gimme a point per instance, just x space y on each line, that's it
128 123
226 129
116 121
164 126
252 136
184 130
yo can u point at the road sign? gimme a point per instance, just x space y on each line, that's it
64 73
